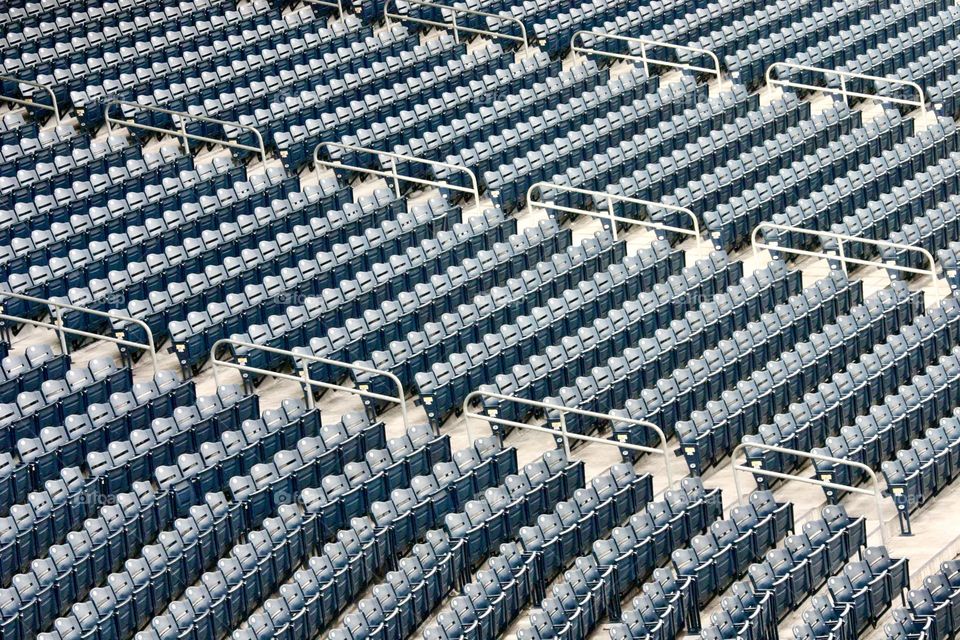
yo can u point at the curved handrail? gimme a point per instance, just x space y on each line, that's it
538 187
842 90
58 326
457 28
53 106
304 378
564 434
181 117
874 480
393 174
841 256
583 50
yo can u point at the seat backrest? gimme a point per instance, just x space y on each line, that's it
458 524
404 499
725 531
477 511
877 559
643 524
836 517
606 552
744 517
335 486
568 512
623 474
938 586
659 511
518 485
532 539
762 575
550 525
466 459
804 631
487 447
780 561
817 532
357 473
555 461
426 486
798 546
685 561
536 472
763 502
497 498
841 589
587 499
704 546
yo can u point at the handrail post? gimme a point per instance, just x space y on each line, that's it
612 215
58 320
58 317
564 434
874 480
183 132
538 187
662 451
305 371
753 243
767 83
396 179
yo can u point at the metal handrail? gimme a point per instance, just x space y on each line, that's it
181 117
338 5
58 326
844 76
874 480
522 39
54 107
841 256
583 50
610 215
393 174
564 434
304 360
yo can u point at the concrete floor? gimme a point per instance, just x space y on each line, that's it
934 538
